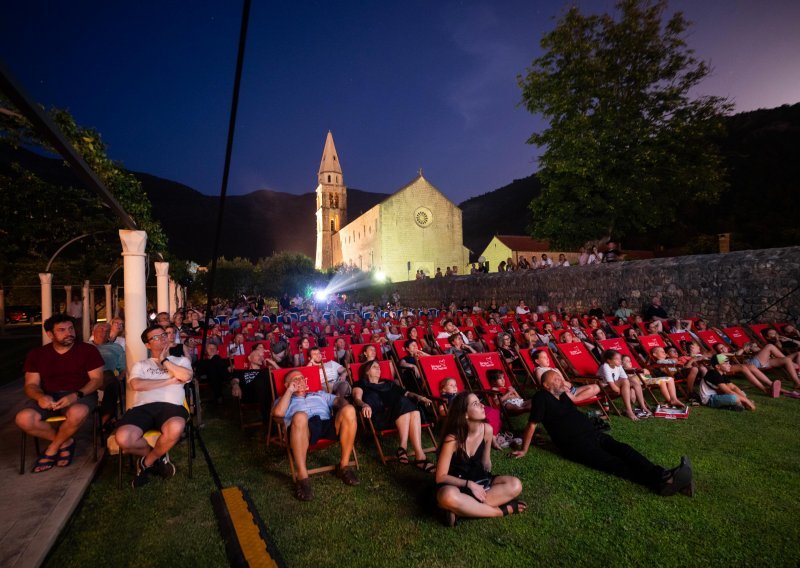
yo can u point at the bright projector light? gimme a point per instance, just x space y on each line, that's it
380 276
320 295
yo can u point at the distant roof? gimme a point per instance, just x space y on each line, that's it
519 242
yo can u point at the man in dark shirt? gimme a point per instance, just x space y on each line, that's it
214 369
577 438
612 252
655 311
61 378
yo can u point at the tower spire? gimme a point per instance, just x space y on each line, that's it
330 158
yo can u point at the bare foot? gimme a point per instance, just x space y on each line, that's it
632 416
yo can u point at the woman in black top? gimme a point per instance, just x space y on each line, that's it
465 486
390 405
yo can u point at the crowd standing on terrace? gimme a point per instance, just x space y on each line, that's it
320 373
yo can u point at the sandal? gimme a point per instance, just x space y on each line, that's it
425 465
450 518
514 506
65 460
402 455
44 463
303 490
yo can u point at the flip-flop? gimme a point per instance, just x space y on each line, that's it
44 463
402 455
70 450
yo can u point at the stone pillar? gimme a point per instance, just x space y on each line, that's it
116 302
135 296
86 317
46 280
68 292
181 296
109 303
173 296
162 287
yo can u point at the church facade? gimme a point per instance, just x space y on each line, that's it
416 228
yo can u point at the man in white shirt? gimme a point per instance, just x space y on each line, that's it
159 386
332 375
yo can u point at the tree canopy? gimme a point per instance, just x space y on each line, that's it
41 213
626 143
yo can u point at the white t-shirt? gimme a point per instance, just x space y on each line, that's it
522 310
331 369
148 370
610 375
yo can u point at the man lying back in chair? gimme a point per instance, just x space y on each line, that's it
313 416
159 384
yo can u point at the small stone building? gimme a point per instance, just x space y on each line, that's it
416 228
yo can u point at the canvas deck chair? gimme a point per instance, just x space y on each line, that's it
358 348
677 338
582 367
312 375
710 338
738 335
388 372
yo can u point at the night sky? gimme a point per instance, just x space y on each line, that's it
402 85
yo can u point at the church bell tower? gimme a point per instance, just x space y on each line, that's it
331 203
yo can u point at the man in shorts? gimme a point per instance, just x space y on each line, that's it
61 379
310 417
158 383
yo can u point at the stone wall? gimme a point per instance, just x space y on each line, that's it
723 288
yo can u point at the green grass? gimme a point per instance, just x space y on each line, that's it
745 513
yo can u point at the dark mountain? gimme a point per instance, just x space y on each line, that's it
760 207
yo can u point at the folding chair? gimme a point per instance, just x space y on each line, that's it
710 338
758 329
552 362
151 437
438 367
738 336
677 338
312 376
583 368
649 342
388 370
358 349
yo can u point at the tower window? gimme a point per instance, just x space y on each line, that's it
333 225
329 178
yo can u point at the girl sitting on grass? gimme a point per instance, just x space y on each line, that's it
448 389
465 486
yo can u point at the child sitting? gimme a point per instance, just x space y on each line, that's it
665 384
512 402
448 389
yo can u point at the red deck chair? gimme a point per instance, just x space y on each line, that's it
328 353
738 335
443 344
676 339
388 372
483 363
619 344
710 338
438 367
583 367
620 329
490 339
277 377
358 349
399 348
758 329
240 362
648 342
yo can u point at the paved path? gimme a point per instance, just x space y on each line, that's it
34 508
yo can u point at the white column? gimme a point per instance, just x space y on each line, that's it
92 304
46 280
181 291
86 317
68 292
173 296
162 287
109 303
135 297
116 302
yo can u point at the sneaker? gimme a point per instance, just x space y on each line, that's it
502 441
163 467
694 400
641 413
142 474
776 389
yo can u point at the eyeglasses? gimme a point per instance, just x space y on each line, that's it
157 337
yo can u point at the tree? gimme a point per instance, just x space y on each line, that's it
45 208
626 145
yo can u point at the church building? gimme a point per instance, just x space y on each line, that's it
416 228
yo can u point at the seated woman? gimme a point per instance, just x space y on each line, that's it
750 370
448 389
465 486
368 354
413 333
388 404
408 364
474 342
505 346
631 337
576 394
617 382
341 352
666 384
547 337
301 357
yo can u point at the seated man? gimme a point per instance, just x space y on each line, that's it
213 369
113 373
310 417
159 385
332 375
578 439
60 379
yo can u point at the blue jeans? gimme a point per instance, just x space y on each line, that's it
717 400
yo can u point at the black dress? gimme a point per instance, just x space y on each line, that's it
470 468
387 400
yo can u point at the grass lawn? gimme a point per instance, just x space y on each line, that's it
746 511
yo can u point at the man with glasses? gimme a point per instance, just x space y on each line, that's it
158 383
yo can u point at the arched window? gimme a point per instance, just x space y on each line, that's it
333 225
329 178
